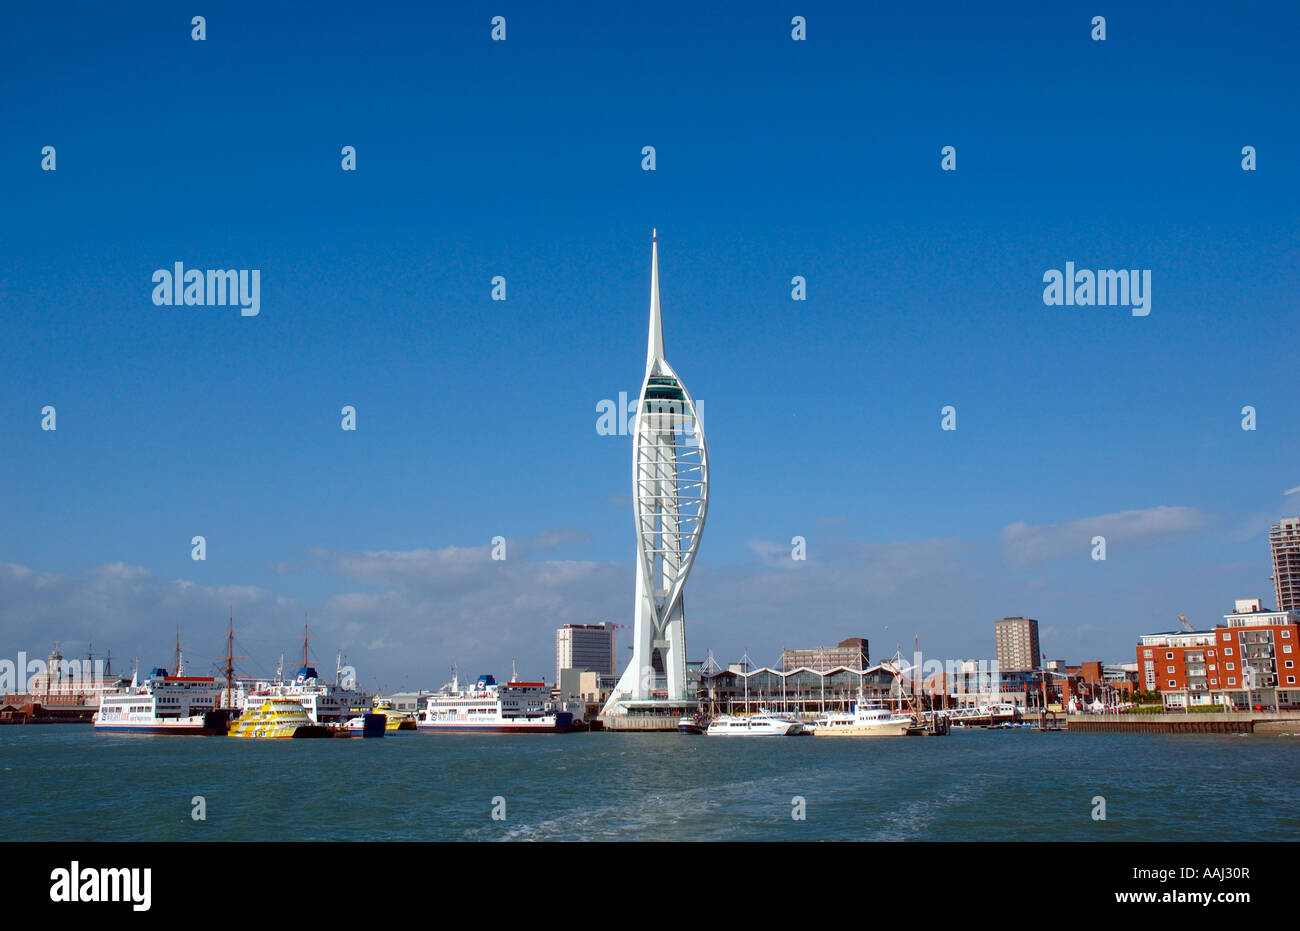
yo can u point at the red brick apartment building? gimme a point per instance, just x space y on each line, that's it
1250 659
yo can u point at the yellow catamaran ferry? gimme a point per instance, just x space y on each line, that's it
397 720
275 717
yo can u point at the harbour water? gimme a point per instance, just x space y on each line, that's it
69 783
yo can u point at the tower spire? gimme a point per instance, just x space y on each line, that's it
656 348
670 490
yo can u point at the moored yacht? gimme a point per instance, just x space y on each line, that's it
864 721
763 724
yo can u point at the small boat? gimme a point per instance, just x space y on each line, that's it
692 724
394 720
276 718
763 724
367 725
929 725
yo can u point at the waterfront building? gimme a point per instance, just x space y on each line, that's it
1176 661
582 685
65 681
1112 679
670 494
974 683
1016 639
583 693
586 647
1024 687
803 690
407 702
1248 660
853 653
1284 545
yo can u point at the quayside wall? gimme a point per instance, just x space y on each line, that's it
1238 722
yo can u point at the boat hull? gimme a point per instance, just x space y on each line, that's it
318 730
550 728
288 732
211 724
196 730
762 729
864 730
372 725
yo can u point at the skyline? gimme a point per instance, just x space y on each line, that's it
774 159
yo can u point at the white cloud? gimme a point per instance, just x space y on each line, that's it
403 616
430 608
844 589
1026 543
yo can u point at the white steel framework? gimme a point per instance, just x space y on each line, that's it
670 494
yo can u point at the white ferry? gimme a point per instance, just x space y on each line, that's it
325 702
763 724
512 708
165 704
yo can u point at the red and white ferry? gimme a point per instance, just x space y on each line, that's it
512 708
165 704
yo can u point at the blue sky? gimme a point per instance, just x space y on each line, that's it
477 418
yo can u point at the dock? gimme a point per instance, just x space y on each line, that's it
639 722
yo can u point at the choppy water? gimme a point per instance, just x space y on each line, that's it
66 782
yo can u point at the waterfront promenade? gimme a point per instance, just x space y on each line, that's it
1228 722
